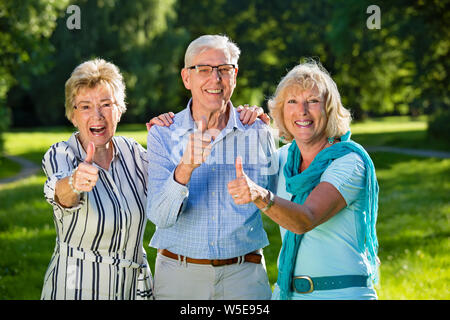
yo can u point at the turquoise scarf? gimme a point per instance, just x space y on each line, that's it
300 186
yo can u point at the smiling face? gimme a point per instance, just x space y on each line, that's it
95 115
210 93
304 115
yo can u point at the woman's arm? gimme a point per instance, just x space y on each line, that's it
322 203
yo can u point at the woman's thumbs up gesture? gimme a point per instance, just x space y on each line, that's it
86 175
243 189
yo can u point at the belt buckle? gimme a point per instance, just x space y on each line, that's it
309 281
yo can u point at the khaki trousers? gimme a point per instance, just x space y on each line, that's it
178 280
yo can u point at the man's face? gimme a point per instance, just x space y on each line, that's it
211 92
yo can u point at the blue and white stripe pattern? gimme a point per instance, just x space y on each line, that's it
201 220
98 252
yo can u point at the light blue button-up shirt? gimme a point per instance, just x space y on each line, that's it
201 220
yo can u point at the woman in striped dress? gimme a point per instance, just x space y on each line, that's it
97 185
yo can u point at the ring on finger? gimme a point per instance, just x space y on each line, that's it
236 196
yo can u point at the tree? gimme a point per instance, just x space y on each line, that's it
24 32
133 35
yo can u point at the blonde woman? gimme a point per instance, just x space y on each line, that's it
327 195
97 186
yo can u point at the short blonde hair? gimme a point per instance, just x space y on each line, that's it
205 42
304 76
91 73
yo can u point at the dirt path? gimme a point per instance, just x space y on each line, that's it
412 152
28 169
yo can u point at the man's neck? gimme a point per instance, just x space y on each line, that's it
217 119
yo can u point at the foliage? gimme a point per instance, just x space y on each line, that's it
24 33
400 68
125 33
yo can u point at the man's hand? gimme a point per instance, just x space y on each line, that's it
248 114
196 152
163 120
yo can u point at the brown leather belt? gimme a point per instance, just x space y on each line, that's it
249 257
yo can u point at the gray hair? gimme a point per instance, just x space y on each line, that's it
206 42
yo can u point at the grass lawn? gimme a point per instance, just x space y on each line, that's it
413 223
8 168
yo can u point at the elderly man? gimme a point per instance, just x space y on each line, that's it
208 247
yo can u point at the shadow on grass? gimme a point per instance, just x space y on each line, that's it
34 156
414 139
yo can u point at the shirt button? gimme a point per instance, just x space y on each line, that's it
213 193
213 169
212 243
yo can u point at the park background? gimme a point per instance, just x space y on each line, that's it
394 79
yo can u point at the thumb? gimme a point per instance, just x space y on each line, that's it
239 169
90 153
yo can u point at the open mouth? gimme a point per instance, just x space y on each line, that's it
97 130
303 123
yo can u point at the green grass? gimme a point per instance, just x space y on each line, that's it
413 226
8 168
413 222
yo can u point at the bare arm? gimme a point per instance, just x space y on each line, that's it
321 204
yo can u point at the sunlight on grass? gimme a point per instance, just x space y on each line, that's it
389 124
33 145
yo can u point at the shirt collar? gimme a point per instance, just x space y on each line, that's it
188 123
80 153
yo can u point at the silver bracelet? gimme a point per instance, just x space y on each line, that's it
71 182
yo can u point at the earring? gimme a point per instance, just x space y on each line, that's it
330 140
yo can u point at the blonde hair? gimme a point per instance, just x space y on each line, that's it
91 73
220 42
306 76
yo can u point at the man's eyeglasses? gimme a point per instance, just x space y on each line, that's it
224 70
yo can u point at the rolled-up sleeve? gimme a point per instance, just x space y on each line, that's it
165 196
58 163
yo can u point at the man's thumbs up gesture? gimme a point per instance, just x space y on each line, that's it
198 147
243 189
86 175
